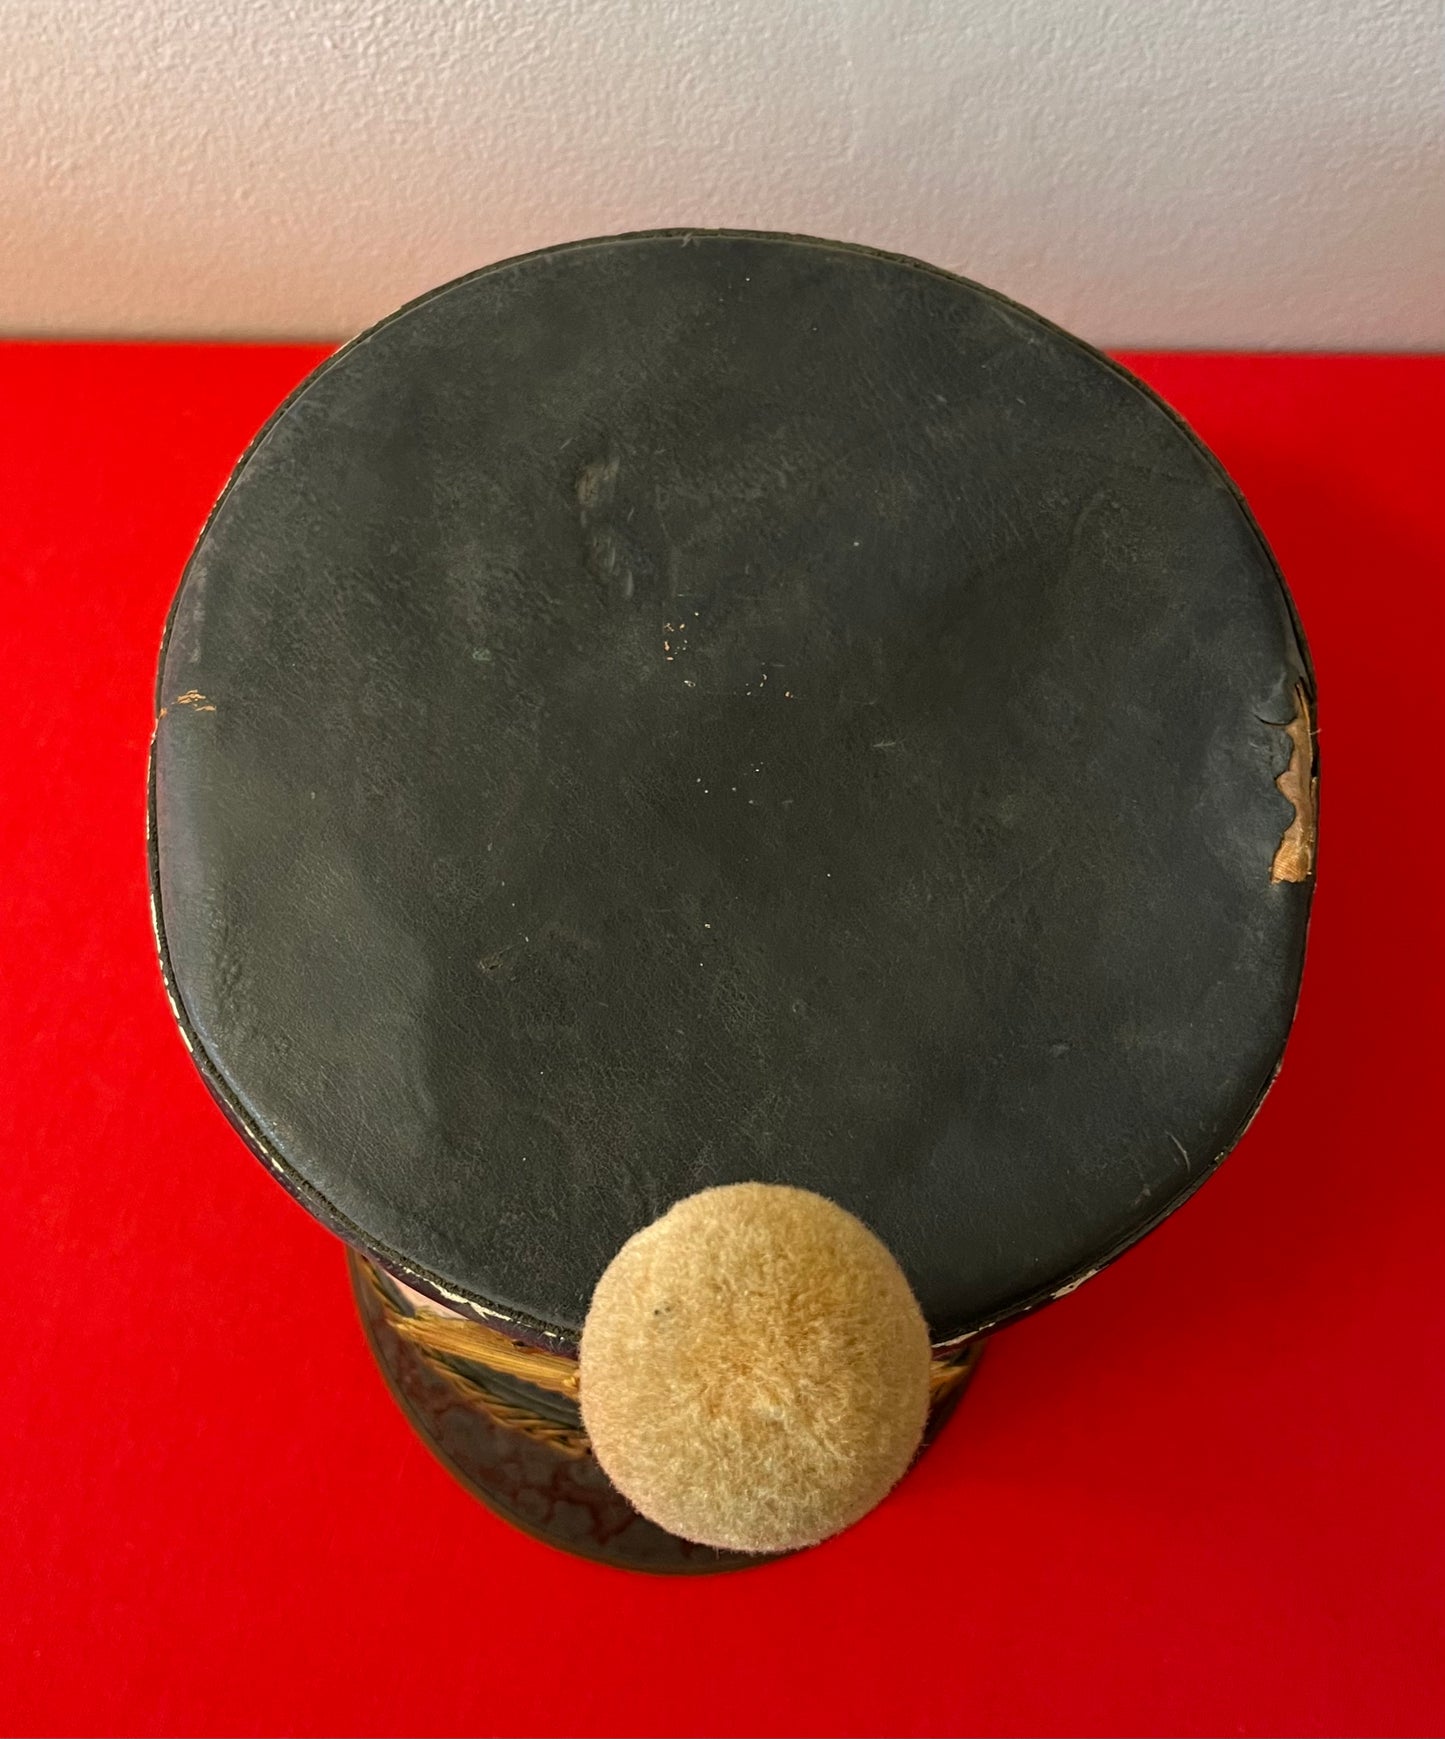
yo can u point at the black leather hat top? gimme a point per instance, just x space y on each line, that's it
698 707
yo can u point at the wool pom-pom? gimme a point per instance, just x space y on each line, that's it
754 1369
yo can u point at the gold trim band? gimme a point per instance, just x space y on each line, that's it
438 1337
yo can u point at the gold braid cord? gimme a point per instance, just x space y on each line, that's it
952 1366
442 1340
453 1337
443 1343
571 1440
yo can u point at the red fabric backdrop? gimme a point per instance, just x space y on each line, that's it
1202 1495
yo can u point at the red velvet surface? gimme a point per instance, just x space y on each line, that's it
1202 1495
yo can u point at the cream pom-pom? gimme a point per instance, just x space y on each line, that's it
754 1369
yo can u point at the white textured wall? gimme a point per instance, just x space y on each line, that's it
1203 172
